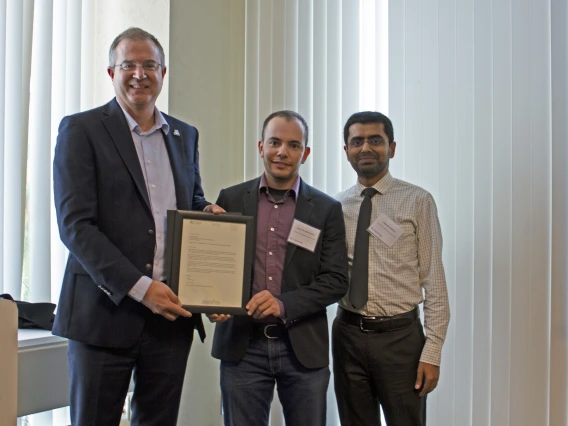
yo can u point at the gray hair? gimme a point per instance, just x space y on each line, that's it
134 33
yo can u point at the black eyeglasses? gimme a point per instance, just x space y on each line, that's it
358 142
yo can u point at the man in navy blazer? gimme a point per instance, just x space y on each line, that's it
117 170
299 269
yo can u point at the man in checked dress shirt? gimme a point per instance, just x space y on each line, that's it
381 355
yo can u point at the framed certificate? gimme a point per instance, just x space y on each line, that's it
209 260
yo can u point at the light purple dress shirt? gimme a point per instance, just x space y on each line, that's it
159 179
274 221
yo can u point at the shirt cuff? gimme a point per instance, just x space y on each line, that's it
282 310
431 353
138 291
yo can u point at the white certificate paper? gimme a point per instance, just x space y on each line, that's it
211 263
386 230
304 235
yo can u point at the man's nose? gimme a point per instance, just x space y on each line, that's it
139 72
282 151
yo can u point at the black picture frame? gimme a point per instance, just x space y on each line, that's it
176 221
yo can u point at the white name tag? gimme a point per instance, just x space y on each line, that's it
304 235
385 230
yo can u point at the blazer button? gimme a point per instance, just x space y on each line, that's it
148 266
150 232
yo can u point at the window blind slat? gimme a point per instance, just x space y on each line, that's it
14 160
39 159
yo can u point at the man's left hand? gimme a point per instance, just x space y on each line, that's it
262 305
214 208
427 377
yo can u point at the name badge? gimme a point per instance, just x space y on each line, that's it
385 230
304 235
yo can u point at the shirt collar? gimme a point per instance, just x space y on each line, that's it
294 189
381 186
159 122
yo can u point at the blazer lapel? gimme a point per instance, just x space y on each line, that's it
115 122
175 148
250 200
303 212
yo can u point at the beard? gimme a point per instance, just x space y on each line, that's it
372 169
279 175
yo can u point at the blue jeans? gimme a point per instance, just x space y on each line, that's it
247 386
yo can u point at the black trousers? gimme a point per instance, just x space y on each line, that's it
372 369
99 377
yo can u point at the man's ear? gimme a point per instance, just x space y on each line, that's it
392 149
261 149
110 72
306 154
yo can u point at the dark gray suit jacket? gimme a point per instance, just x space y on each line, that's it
311 281
106 222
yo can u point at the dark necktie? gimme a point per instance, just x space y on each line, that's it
359 290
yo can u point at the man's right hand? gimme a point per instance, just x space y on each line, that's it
218 317
161 300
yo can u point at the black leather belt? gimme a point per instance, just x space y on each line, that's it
378 324
268 331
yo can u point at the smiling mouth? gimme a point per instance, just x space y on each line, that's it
367 159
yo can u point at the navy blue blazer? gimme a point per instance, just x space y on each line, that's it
105 220
310 282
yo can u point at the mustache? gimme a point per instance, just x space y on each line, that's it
369 155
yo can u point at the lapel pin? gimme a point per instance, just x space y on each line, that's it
176 132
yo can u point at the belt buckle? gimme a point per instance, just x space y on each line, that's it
361 323
266 328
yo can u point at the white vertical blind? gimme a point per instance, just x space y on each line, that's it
58 78
39 159
73 57
479 105
14 151
2 127
559 225
41 55
87 54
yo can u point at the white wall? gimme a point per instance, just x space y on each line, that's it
207 84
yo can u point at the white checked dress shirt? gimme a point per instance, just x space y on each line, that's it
399 274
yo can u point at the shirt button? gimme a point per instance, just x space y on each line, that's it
148 266
272 229
150 232
157 211
270 253
149 161
275 206
270 278
153 186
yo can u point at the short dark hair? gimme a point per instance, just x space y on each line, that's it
134 33
288 115
366 117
